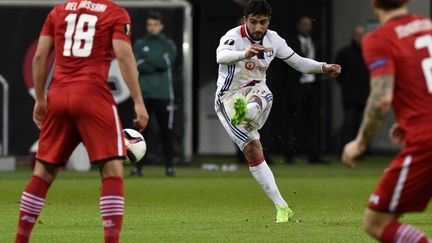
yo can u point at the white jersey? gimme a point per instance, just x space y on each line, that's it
248 72
239 76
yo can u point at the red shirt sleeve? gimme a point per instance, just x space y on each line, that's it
48 28
377 56
122 28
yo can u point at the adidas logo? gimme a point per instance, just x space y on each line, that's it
108 223
29 219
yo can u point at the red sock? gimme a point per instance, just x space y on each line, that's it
111 207
256 162
398 232
32 202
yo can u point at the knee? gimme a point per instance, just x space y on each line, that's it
370 226
112 168
374 223
262 102
253 151
46 172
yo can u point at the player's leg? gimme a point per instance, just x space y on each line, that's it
57 140
264 176
386 228
101 132
112 199
33 199
405 187
165 117
250 109
247 139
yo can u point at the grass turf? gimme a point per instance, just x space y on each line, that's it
201 206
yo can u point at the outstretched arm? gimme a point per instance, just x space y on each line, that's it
307 65
44 48
126 59
379 102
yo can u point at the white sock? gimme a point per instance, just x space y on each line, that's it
254 111
265 178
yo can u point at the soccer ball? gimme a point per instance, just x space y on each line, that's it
135 145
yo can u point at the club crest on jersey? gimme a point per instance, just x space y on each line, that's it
229 42
270 53
250 65
127 29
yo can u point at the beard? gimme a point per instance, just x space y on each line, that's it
257 35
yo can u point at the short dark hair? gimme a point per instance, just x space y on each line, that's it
257 7
389 4
156 16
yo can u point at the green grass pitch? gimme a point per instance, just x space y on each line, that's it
201 206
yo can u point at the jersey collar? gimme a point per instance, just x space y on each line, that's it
245 34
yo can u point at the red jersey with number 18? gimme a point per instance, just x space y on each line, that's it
402 47
83 33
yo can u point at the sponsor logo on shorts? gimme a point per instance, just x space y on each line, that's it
374 199
248 127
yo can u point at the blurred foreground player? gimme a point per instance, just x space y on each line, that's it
399 58
79 106
243 100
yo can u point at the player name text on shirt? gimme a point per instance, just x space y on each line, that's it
89 5
413 27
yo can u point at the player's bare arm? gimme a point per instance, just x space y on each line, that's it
44 48
378 104
126 59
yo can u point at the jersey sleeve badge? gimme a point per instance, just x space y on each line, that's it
229 42
127 29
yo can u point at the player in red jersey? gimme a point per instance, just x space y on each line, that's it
399 56
79 107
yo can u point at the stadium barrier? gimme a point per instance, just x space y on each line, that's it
7 163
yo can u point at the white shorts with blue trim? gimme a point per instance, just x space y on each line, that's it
245 132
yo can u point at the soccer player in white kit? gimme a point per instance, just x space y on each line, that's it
243 100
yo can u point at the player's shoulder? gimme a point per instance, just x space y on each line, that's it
166 40
273 35
58 8
234 33
114 9
374 38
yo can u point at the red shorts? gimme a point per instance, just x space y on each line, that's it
88 117
406 185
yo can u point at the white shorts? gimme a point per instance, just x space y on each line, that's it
245 132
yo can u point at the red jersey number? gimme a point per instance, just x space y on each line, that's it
426 42
79 35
